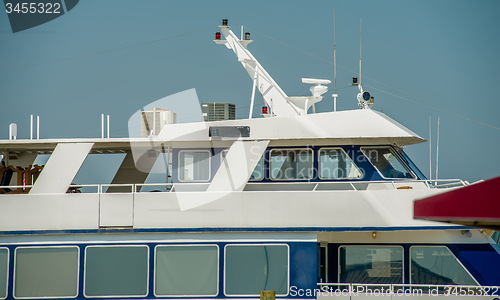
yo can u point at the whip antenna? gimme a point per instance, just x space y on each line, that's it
360 31
334 66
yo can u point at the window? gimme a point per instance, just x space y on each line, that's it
412 165
116 271
437 265
194 165
254 268
186 270
258 172
46 272
4 271
335 164
291 164
374 264
387 162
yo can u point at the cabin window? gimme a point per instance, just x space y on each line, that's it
335 164
437 265
291 164
4 271
254 268
387 163
412 165
258 172
113 271
194 165
374 264
46 272
186 270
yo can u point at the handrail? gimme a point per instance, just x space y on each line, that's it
15 186
140 185
132 186
430 184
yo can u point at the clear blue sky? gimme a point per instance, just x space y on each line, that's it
445 52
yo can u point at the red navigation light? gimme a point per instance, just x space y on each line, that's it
264 109
217 35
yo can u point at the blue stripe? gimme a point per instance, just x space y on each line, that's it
231 229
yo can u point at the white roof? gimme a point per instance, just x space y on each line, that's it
343 127
353 127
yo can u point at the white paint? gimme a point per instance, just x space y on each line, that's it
273 95
61 168
253 92
349 127
12 131
102 126
335 102
339 209
49 212
236 169
31 128
116 210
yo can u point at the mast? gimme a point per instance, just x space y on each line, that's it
273 95
275 98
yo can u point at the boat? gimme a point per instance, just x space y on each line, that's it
308 205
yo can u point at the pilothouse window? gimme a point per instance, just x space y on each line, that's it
376 264
291 164
258 172
387 163
335 164
437 265
194 165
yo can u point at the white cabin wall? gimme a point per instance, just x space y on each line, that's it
49 212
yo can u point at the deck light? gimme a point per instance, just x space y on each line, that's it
355 81
217 35
247 36
224 22
374 234
264 109
366 96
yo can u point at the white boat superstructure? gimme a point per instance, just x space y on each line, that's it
292 202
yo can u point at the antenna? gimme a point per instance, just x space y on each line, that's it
430 149
437 151
334 66
102 126
360 31
334 55
31 128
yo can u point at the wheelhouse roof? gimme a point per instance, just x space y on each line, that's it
353 127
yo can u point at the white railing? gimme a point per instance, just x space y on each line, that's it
353 185
255 186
